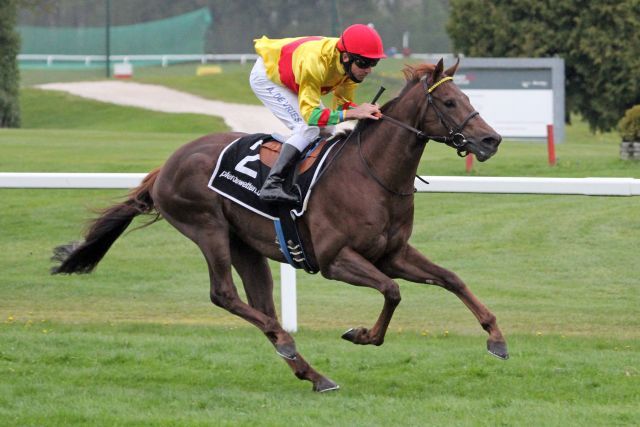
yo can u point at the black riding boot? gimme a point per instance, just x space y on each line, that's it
272 190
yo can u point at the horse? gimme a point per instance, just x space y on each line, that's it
356 228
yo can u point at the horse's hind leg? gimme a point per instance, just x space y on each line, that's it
224 294
255 273
412 265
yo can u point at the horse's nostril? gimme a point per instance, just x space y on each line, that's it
494 139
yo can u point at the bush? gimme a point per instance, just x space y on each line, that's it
9 75
629 125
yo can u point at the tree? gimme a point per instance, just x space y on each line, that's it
9 74
597 39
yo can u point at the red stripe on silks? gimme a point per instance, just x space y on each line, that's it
324 117
285 64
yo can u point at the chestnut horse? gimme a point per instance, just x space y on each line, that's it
356 228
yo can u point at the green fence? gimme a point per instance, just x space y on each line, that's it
183 34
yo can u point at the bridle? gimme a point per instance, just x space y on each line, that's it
456 138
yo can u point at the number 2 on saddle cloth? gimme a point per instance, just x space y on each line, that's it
240 172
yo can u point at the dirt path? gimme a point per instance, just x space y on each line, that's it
239 117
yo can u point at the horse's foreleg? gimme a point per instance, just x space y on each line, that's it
349 266
411 265
255 273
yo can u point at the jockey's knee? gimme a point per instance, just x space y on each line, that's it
310 133
303 136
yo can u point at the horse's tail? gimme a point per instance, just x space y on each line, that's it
82 257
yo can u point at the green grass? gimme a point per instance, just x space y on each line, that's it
31 77
508 248
41 110
177 375
51 150
138 341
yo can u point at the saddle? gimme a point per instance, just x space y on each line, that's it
270 150
241 170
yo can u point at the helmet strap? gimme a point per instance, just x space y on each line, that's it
347 68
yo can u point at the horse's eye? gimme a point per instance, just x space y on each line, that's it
449 103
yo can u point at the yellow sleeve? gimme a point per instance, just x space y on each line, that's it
309 93
343 95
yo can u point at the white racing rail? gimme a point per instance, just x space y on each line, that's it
165 60
523 185
440 184
437 184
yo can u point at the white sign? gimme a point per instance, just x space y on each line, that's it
514 113
123 70
518 97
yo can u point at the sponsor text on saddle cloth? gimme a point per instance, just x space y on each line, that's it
241 171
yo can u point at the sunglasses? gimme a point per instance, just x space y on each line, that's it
363 62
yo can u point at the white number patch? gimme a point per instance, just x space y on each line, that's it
240 167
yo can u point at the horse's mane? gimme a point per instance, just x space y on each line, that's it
412 75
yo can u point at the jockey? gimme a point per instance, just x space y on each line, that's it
292 74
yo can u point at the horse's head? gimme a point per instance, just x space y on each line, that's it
447 115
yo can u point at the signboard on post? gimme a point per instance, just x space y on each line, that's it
123 70
519 97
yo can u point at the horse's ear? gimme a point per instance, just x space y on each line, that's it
452 70
437 72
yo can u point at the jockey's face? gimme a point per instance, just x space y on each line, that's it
358 73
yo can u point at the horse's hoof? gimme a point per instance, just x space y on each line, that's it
498 349
325 384
288 351
350 335
357 336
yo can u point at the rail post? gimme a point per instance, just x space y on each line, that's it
551 147
468 161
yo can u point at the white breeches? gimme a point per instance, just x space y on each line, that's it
283 103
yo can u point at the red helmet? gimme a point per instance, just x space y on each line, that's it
362 40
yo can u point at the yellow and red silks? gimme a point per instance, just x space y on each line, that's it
310 67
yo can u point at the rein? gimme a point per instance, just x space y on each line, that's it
455 139
375 177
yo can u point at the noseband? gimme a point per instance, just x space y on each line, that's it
456 138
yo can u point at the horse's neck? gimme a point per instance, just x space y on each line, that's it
392 152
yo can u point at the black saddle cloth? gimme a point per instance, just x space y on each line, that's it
239 175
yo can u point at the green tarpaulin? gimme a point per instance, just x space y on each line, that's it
183 34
